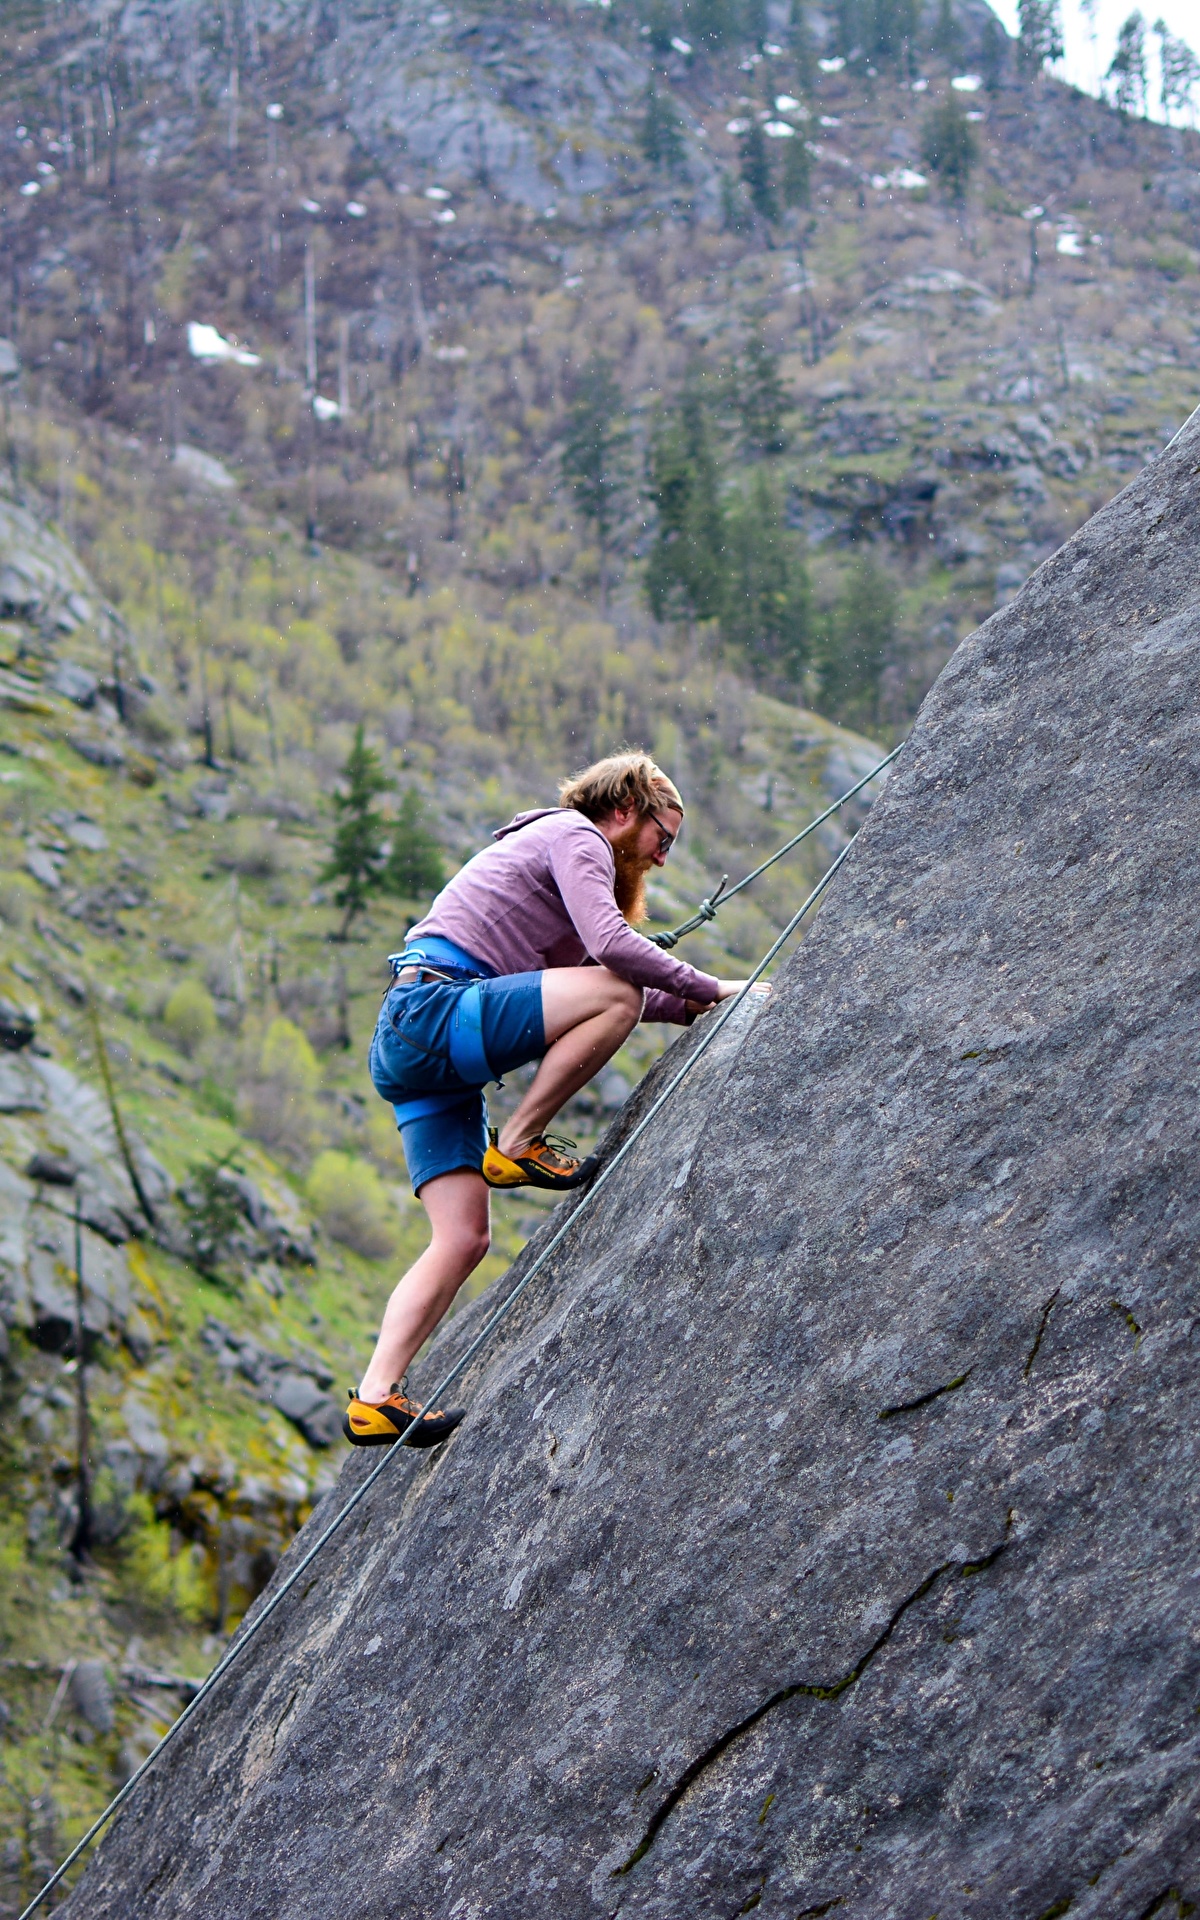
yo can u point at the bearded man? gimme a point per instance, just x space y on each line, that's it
528 954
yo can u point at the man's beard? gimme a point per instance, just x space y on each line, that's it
632 868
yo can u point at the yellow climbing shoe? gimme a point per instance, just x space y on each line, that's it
540 1163
377 1423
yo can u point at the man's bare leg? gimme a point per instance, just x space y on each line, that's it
588 1013
457 1205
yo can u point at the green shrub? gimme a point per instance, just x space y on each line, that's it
288 1059
190 1017
17 896
351 1202
278 1098
157 1579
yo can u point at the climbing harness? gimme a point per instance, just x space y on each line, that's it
437 1398
707 910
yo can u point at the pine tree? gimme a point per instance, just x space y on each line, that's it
848 27
994 53
734 213
1127 70
761 401
595 456
756 172
753 22
414 867
767 614
711 23
663 21
1040 33
796 184
857 643
685 574
948 145
356 858
892 30
1180 71
945 33
660 138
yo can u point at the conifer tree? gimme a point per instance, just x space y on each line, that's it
711 23
734 214
796 183
1040 32
595 456
685 574
753 22
1127 70
414 868
948 145
756 172
663 22
857 643
883 30
848 27
660 138
767 609
761 401
945 33
994 53
356 860
1180 72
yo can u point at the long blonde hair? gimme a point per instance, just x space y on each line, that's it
622 780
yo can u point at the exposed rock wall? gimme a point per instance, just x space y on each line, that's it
821 1536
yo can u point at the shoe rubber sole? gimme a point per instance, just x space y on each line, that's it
368 1426
499 1171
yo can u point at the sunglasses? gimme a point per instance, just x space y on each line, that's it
666 840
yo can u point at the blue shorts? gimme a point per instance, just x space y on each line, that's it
437 1043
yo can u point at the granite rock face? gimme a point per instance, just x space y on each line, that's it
820 1539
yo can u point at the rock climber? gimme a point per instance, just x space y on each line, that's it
530 953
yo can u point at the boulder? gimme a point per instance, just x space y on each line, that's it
18 1026
820 1538
91 1695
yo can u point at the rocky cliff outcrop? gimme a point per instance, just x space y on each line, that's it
818 1538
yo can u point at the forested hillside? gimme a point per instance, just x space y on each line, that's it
509 386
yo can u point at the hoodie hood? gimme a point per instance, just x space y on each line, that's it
520 820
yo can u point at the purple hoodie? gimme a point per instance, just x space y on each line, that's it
544 896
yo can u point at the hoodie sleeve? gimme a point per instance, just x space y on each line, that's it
584 872
667 1007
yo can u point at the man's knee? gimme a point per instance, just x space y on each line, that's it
463 1242
625 998
471 1244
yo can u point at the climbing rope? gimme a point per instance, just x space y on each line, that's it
707 910
259 1620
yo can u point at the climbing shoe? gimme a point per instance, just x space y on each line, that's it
540 1163
377 1423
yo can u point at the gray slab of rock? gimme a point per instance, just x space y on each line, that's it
147 1439
49 1305
21 1087
85 833
75 683
203 469
301 1400
44 868
821 1536
91 1695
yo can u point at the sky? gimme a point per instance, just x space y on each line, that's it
1090 43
